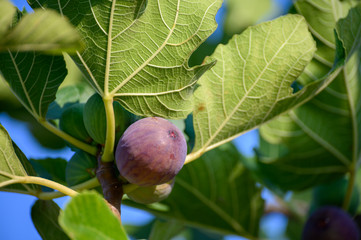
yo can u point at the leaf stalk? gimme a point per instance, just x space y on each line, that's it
108 153
77 143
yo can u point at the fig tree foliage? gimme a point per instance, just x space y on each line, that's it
109 77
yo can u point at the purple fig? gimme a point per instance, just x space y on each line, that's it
330 223
151 151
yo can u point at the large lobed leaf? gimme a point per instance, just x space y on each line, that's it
244 13
13 163
34 78
322 16
320 140
45 31
138 50
251 82
87 216
215 192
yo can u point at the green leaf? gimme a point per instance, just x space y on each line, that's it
67 96
50 168
349 31
291 160
165 230
322 15
251 82
325 146
87 216
45 218
34 78
243 13
138 50
215 192
13 163
7 12
139 232
45 31
81 167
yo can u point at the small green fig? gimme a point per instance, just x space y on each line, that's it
95 119
71 122
80 168
151 194
151 151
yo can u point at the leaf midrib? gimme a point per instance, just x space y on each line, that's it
145 63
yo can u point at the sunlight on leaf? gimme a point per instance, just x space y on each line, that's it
12 163
137 51
87 216
44 31
7 11
349 31
322 15
34 78
325 146
251 81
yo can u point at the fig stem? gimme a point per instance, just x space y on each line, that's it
108 152
350 186
111 186
77 143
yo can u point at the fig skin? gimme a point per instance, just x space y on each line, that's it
151 194
330 223
95 122
151 151
71 122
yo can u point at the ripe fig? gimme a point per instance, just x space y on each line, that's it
151 194
151 151
81 167
333 194
95 119
330 223
71 122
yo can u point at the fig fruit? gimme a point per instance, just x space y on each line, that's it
330 223
151 151
333 194
95 119
71 122
80 168
151 194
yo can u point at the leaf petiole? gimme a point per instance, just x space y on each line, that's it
108 153
37 180
91 183
77 143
